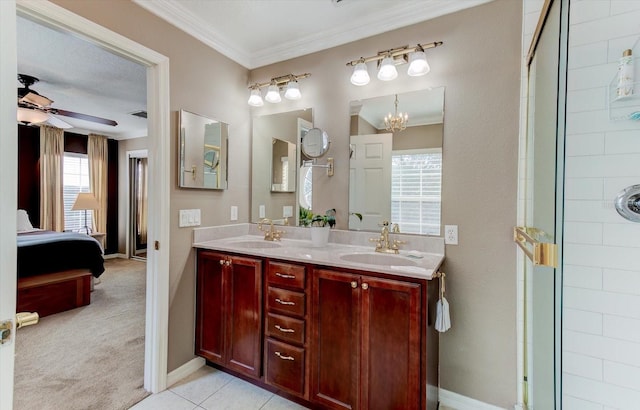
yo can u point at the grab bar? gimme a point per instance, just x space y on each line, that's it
541 253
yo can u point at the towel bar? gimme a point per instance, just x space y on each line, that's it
543 253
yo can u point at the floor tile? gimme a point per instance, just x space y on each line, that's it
237 395
280 403
201 384
166 400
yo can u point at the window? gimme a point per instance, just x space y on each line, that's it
75 179
416 179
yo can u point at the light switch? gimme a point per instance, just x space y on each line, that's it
234 213
184 219
196 217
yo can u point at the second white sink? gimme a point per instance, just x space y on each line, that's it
379 259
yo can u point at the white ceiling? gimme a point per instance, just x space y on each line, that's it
84 78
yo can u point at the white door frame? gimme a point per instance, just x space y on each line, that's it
157 294
139 153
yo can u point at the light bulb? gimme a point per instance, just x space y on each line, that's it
273 94
255 99
387 70
418 64
360 74
293 91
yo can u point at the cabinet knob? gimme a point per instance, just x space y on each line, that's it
227 263
222 262
365 286
354 284
284 357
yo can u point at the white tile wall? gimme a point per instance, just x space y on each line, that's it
601 312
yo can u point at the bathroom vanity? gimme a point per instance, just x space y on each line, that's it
339 327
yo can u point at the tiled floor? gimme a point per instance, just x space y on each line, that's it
211 389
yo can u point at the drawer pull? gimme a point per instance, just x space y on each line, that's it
284 357
284 302
285 276
284 329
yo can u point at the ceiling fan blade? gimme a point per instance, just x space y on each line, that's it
57 122
36 99
84 117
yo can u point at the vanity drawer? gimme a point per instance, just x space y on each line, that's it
285 366
285 328
285 301
286 274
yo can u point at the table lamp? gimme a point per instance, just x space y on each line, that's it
84 202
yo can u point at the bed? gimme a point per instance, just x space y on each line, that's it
55 269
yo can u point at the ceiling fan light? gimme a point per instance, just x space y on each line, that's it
418 64
273 94
255 99
360 74
293 91
29 116
387 71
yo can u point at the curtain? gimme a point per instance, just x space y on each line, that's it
51 184
97 154
142 200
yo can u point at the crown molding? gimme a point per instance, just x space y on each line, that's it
400 15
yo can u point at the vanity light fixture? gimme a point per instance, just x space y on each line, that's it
388 59
396 122
287 82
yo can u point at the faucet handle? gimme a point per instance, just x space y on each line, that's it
397 242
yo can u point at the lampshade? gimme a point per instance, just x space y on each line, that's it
29 116
360 74
387 71
418 64
255 99
293 91
85 201
273 94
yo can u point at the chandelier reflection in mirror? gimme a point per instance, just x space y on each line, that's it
288 83
396 122
387 61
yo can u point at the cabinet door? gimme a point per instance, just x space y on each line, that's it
210 307
336 339
391 345
244 315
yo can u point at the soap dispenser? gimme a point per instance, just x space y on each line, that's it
625 75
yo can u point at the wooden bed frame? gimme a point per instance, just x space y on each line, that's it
54 292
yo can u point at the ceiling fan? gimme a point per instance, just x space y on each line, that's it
34 108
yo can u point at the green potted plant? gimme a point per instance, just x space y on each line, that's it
319 225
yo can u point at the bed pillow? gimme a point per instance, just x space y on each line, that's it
22 221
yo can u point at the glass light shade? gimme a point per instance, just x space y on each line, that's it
293 91
29 116
360 75
418 64
387 71
255 99
273 94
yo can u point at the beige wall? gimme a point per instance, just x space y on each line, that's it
479 66
123 186
202 81
422 136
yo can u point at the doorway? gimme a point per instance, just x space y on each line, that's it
138 202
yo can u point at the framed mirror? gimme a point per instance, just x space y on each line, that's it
203 152
315 143
274 192
395 171
283 166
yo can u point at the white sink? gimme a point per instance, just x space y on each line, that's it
379 259
255 244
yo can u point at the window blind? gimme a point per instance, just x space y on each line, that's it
75 179
416 181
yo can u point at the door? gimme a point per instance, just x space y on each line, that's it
138 216
335 343
543 208
391 345
370 180
9 198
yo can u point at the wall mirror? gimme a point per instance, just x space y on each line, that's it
396 175
277 166
203 152
315 143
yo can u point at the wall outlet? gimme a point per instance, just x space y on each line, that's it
234 213
451 234
287 211
262 211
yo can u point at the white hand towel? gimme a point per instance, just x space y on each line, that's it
443 320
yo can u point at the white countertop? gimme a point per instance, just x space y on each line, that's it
334 255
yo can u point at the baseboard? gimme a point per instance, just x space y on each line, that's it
459 402
115 255
184 370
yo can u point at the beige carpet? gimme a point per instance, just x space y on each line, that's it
90 357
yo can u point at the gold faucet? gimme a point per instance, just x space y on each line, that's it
383 243
272 234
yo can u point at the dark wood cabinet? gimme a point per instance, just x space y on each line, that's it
367 342
229 311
